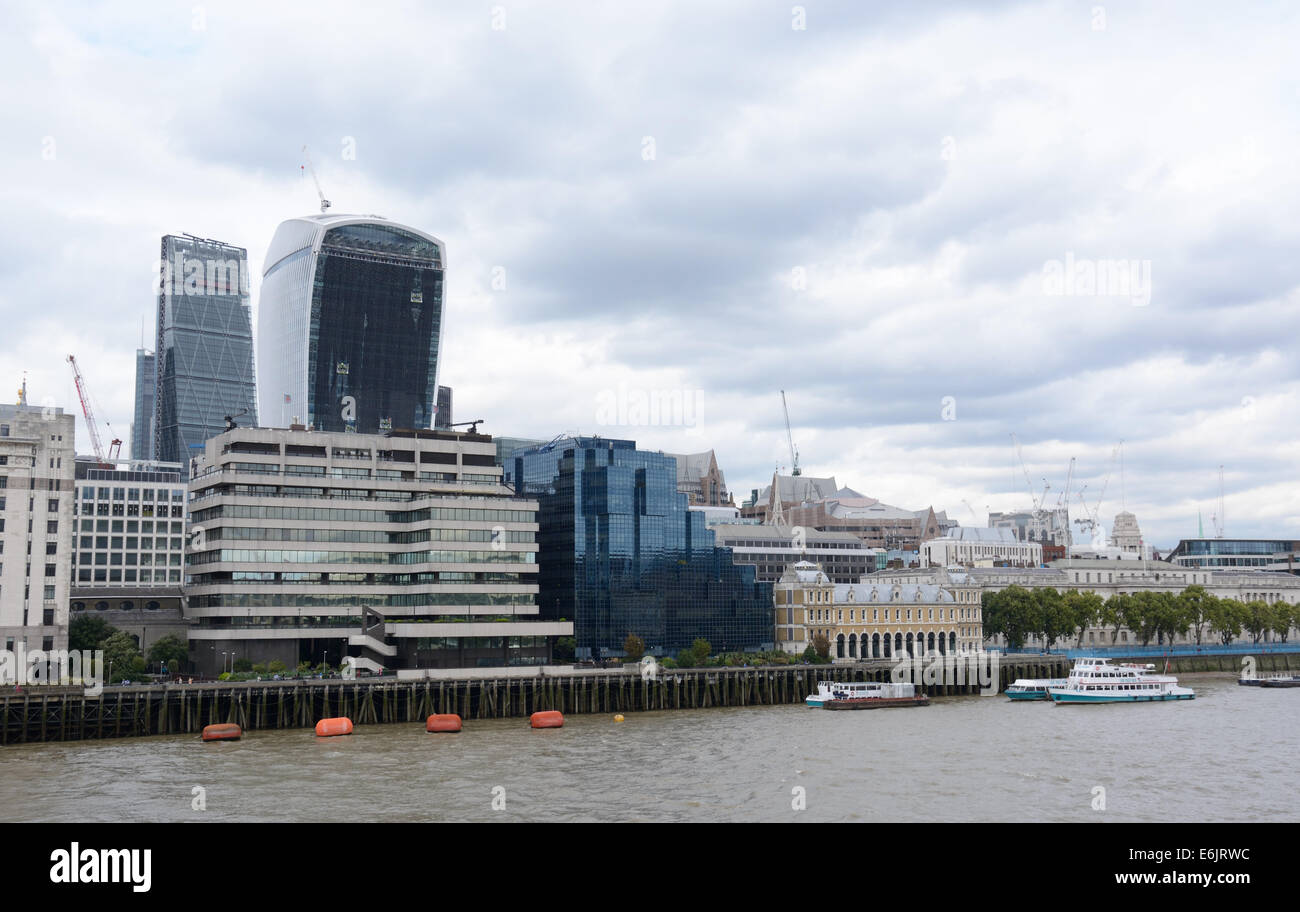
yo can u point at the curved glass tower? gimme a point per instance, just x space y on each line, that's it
349 325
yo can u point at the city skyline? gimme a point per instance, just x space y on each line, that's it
890 223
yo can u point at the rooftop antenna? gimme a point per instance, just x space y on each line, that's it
324 203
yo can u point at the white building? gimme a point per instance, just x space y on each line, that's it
36 495
130 526
970 546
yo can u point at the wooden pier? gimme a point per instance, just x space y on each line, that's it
39 714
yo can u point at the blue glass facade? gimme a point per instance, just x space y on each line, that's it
350 325
142 426
1226 553
620 553
204 353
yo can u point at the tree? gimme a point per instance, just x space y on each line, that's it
1112 614
1227 618
1050 618
87 632
243 665
1197 606
821 645
1284 618
1015 613
170 651
1258 619
120 655
1083 609
633 648
565 649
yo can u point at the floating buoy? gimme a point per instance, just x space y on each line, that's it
618 718
443 722
328 728
548 719
227 732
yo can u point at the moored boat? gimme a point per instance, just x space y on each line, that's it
1033 688
865 695
1098 681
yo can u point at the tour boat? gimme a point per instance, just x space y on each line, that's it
1033 688
865 695
1098 681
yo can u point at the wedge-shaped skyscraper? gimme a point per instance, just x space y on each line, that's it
349 325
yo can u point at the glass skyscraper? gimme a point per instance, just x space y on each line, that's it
349 325
204 354
145 383
620 553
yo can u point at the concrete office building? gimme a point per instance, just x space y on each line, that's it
36 496
403 551
969 546
772 550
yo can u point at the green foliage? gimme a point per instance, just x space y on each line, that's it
275 666
224 676
1259 619
171 651
243 664
633 648
120 654
88 632
821 644
259 668
1197 606
668 662
1284 618
565 649
1227 617
813 657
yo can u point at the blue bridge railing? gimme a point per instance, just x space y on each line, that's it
1181 649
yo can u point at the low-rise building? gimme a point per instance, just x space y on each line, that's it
876 620
700 479
771 550
971 546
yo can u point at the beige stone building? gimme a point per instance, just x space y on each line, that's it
867 620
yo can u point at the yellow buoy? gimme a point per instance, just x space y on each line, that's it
618 718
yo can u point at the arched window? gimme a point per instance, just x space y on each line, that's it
151 606
875 646
930 643
888 647
853 645
911 645
78 606
101 606
126 606
898 642
839 646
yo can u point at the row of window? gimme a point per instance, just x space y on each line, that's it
105 575
260 556
176 495
327 514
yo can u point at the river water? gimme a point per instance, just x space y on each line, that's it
1228 755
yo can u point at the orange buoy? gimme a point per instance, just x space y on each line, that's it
328 728
226 732
548 719
443 722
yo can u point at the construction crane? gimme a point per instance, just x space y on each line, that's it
115 448
1093 514
230 419
794 454
1036 498
473 426
324 203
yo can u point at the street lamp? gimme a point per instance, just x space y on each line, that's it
223 661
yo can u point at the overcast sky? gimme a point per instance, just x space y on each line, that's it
871 206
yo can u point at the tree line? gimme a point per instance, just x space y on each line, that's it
1018 613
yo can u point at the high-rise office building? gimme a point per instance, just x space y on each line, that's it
620 553
204 355
349 325
36 497
145 384
443 419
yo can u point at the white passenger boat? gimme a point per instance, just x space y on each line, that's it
863 695
1098 681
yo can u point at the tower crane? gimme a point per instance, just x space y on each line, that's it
1093 514
794 454
115 447
324 203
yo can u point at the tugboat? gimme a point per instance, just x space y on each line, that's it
836 695
1098 681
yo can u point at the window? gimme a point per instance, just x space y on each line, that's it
52 526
